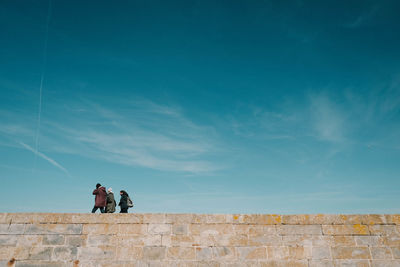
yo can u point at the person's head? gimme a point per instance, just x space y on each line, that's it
123 192
110 190
98 185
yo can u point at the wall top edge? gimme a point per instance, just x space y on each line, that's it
192 218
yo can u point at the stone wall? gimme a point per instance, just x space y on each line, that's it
32 239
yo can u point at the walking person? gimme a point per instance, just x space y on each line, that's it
110 208
124 201
100 199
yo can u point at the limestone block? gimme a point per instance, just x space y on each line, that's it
101 240
307 240
180 229
201 241
152 240
203 253
242 228
96 253
350 253
321 263
375 241
184 240
230 240
260 229
396 252
156 229
129 253
372 219
264 240
53 240
199 218
299 230
356 229
154 253
18 253
64 253
296 219
132 229
344 240
392 240
102 228
210 229
352 263
181 253
53 229
40 253
278 252
75 240
224 253
130 240
393 219
381 253
179 218
321 253
283 263
154 218
128 218
8 240
385 263
22 217
216 218
344 219
262 219
300 252
3 218
12 229
35 263
166 241
383 230
208 264
251 253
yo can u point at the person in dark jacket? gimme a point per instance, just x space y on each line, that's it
110 208
123 202
100 200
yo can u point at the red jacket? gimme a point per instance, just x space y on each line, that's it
101 197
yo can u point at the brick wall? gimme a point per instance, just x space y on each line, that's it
33 239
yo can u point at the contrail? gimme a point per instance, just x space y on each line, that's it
44 63
43 156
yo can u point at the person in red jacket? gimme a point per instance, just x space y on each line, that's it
101 198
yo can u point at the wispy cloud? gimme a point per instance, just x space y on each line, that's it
140 133
43 156
362 18
327 119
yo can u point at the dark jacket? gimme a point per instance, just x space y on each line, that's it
101 195
110 208
123 202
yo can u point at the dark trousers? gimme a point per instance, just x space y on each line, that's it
95 208
124 210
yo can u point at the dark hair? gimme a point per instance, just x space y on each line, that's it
124 193
98 185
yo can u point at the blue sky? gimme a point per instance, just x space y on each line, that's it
201 106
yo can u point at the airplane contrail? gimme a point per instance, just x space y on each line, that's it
42 80
43 156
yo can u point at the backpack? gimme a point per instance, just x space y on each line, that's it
130 203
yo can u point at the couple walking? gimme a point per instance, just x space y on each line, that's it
105 201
